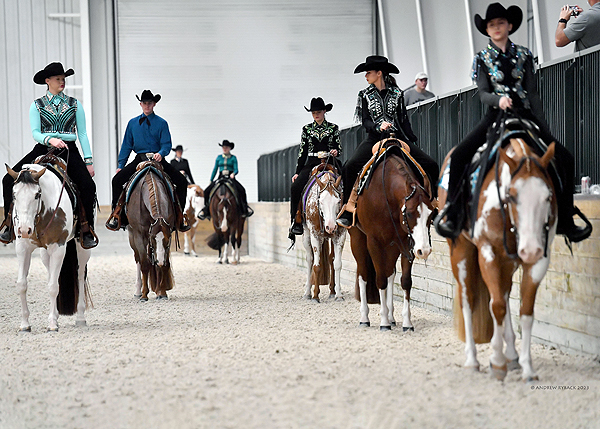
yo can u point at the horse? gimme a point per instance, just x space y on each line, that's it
228 223
152 220
193 204
515 226
322 239
41 218
394 214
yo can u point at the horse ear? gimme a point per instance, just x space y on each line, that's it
512 164
199 192
37 174
338 181
321 184
548 155
11 172
517 148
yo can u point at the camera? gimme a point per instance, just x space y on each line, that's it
574 10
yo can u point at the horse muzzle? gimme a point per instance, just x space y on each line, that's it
24 232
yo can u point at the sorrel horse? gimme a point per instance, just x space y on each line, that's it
515 226
151 223
227 222
393 218
41 218
323 240
193 204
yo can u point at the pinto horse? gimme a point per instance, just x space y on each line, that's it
41 218
393 216
227 222
193 204
515 226
322 239
151 224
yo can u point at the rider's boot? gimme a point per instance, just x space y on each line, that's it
346 217
114 220
248 211
297 228
566 226
87 237
182 221
204 213
450 221
7 234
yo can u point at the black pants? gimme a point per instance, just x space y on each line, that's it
301 181
565 162
123 176
364 152
76 169
241 191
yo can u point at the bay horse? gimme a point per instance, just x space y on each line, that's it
41 218
228 223
151 224
322 239
193 204
394 214
515 226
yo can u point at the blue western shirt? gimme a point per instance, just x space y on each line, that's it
151 136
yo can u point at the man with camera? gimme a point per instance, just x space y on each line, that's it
584 30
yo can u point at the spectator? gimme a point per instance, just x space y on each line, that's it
584 30
418 92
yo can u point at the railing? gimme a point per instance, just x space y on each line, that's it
570 92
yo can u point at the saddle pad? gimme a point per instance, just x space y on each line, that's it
229 184
141 173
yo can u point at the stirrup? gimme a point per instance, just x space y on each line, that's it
88 245
343 219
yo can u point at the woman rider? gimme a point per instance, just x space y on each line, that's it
57 120
227 166
381 110
318 136
505 79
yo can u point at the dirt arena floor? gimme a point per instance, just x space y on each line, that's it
237 347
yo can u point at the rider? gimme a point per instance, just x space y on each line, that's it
318 136
380 109
57 120
146 133
504 73
227 166
181 164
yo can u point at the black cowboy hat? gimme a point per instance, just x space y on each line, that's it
52 69
378 63
178 147
227 143
514 15
148 96
318 104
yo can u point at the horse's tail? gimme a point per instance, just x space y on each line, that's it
483 325
215 241
160 275
68 281
372 290
325 262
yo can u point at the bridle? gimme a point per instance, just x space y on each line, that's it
151 249
329 184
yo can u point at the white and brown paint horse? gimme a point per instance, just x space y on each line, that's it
323 239
228 224
41 218
515 226
151 224
193 204
394 215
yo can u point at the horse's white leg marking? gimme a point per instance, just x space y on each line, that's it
138 280
525 359
83 256
57 254
390 299
364 308
406 315
23 251
470 349
338 247
497 358
383 298
316 243
509 334
224 253
309 262
186 243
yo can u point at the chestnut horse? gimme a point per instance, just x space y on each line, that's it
151 223
193 204
393 218
227 222
41 218
323 239
515 226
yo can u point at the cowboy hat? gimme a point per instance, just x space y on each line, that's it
148 96
52 69
378 63
178 147
317 104
514 15
227 143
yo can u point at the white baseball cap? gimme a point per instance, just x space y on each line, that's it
421 75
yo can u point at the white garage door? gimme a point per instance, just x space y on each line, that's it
241 70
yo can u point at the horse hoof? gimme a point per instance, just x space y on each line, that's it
364 324
408 328
339 298
513 364
234 263
317 300
143 299
531 379
26 329
52 329
498 372
80 323
393 323
186 253
308 297
474 368
385 328
162 297
137 296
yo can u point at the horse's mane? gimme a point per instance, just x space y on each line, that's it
26 178
405 171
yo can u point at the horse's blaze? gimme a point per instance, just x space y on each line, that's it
422 248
